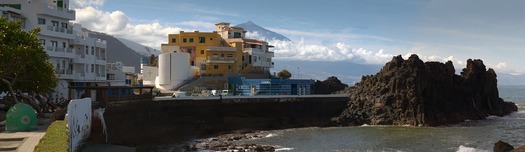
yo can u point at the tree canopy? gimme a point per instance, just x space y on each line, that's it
284 74
24 65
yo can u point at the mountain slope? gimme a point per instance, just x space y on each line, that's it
139 48
118 51
269 35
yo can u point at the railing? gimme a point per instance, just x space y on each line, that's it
49 48
69 50
220 59
60 71
53 7
59 29
82 56
57 49
69 72
111 95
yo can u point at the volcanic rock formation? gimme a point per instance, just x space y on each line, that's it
411 92
330 85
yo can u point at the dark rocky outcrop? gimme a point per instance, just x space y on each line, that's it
501 146
411 92
329 86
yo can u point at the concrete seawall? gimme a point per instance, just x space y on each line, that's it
171 120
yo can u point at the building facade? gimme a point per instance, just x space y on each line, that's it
207 50
77 58
251 87
256 57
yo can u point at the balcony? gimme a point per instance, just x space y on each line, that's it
52 10
80 75
101 43
59 52
80 58
219 60
64 74
259 52
55 31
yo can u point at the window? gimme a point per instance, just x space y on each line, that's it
215 55
64 25
183 40
211 39
230 67
41 21
202 40
192 63
54 43
55 23
64 44
92 68
215 66
202 51
43 42
191 40
92 50
236 35
229 55
222 54
87 50
173 40
111 77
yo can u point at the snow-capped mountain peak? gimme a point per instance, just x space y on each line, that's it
259 32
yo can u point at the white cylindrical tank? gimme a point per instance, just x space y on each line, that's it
164 68
180 66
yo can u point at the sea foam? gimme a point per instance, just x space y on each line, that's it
283 149
469 149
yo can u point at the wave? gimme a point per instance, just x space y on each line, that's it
284 149
469 149
270 135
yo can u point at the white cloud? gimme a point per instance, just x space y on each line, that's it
116 23
290 50
340 51
501 65
75 4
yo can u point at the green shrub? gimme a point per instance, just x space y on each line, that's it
56 138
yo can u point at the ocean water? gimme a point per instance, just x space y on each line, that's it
469 136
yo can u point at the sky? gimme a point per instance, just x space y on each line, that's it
366 32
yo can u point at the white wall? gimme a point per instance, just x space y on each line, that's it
149 74
79 122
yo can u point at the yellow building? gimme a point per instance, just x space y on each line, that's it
208 51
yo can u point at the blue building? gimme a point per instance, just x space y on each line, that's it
248 87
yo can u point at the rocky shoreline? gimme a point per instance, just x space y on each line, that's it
411 92
227 142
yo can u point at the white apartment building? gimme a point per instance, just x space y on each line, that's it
77 58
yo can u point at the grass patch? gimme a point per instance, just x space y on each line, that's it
56 138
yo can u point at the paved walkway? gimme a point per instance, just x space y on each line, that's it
22 141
